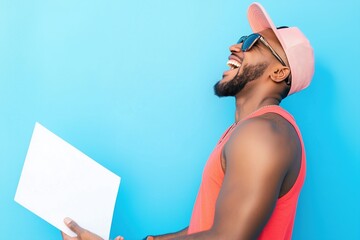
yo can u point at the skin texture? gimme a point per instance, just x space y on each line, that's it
262 158
82 234
231 88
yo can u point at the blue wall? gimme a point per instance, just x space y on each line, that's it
130 84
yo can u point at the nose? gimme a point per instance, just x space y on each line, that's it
235 47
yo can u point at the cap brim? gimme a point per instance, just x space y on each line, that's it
259 20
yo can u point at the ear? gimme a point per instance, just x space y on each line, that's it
280 73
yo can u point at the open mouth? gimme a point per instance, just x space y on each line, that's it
233 64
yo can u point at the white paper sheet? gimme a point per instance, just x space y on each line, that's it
59 181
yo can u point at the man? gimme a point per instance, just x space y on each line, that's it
252 180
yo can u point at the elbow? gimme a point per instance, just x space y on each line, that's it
230 233
221 234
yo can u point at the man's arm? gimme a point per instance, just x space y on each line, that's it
84 234
169 235
257 160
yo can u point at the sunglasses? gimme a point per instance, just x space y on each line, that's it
249 41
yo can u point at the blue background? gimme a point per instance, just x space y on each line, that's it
129 83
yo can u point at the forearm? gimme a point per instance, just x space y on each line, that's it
206 235
175 235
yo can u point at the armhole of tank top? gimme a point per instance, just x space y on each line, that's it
288 117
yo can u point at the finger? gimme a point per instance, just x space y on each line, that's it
119 238
66 237
73 226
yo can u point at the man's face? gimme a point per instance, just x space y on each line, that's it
242 71
239 81
248 66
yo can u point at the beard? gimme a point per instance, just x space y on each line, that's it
235 85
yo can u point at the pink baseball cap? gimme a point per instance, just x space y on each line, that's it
298 50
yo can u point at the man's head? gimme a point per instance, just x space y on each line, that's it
280 58
258 56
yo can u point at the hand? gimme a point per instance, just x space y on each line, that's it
82 234
119 238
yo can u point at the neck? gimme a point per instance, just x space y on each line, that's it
246 105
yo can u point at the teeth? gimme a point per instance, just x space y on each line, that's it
233 64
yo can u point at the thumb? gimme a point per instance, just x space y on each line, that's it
73 226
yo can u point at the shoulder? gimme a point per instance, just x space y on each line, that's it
268 138
269 128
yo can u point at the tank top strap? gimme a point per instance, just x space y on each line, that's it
272 109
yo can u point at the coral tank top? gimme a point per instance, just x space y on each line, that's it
281 222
